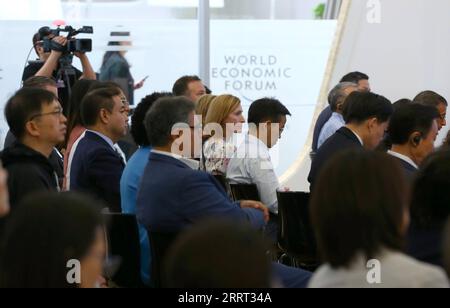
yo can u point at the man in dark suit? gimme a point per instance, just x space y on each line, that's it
366 116
413 129
96 167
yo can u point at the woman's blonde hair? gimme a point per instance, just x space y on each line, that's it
220 109
203 105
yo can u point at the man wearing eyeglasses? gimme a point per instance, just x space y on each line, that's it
36 118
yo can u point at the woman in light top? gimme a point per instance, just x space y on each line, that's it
223 120
360 213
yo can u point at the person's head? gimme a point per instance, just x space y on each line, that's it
138 131
38 46
171 127
46 235
338 95
189 86
435 100
414 129
369 114
202 106
104 110
120 40
79 91
41 82
35 115
361 79
4 194
219 254
269 116
430 205
359 206
226 111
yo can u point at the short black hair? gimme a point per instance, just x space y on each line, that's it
266 109
411 118
354 77
137 120
181 86
165 113
430 98
23 105
219 254
361 106
39 82
94 102
358 205
42 235
430 204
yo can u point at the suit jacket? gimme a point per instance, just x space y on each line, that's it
172 196
96 169
343 139
409 170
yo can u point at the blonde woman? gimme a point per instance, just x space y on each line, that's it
202 106
223 120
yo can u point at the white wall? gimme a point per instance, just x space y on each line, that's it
407 52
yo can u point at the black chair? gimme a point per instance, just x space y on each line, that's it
245 192
295 233
122 235
160 243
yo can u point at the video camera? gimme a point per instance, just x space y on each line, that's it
73 44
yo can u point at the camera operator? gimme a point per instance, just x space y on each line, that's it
48 65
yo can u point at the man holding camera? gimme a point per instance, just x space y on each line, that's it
48 65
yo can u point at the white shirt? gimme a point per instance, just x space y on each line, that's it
330 128
252 165
404 158
396 271
193 164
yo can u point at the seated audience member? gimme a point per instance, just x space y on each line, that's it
412 130
172 195
35 117
386 144
47 238
360 214
252 163
48 84
224 118
362 80
4 197
430 208
191 87
131 177
203 105
237 260
96 167
336 99
366 116
435 100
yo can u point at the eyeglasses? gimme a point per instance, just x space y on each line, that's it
58 112
443 116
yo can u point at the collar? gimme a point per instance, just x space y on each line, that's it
357 136
404 158
106 138
193 164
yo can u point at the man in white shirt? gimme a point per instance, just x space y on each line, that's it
413 130
252 164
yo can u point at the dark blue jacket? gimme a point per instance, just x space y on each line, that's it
172 196
342 140
324 116
96 169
